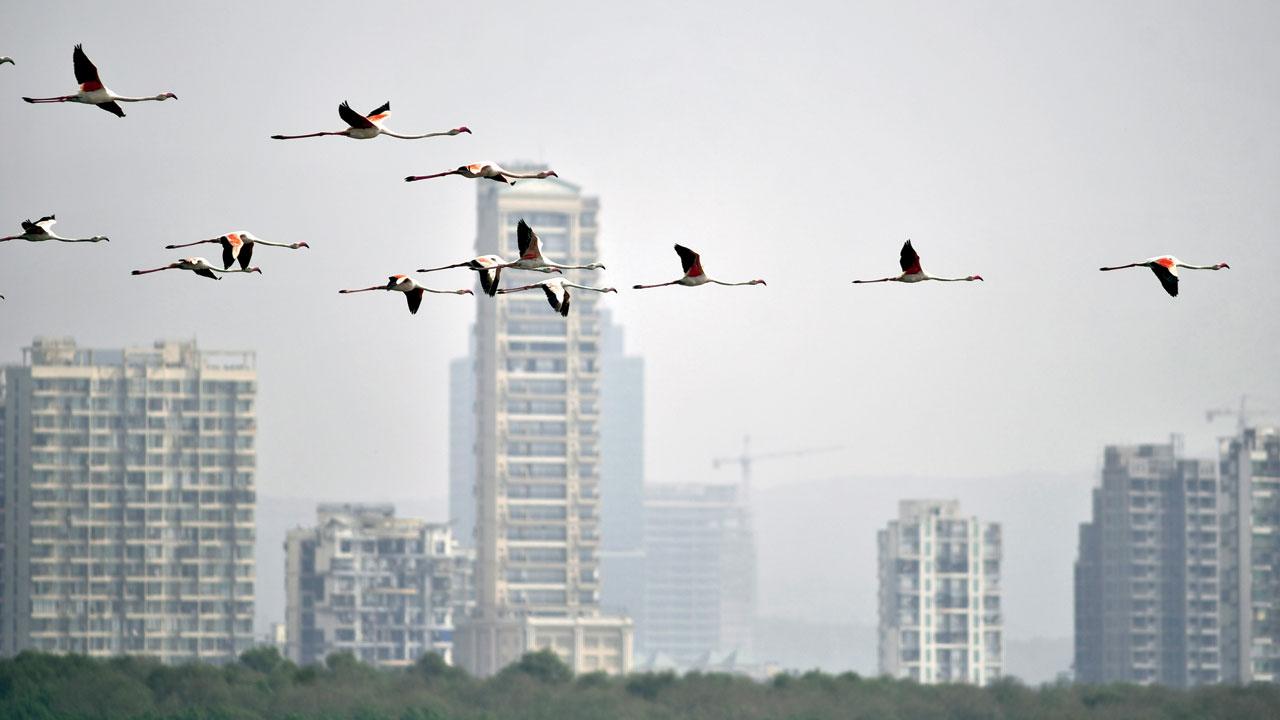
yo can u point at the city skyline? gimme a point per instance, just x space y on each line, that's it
1029 143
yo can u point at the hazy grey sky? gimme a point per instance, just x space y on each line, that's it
798 142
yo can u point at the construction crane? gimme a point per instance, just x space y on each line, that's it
745 460
1241 415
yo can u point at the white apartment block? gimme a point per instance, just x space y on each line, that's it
1249 471
537 471
699 584
382 588
940 595
129 501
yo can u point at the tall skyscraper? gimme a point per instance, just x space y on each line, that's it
621 473
129 501
380 587
1146 581
1249 469
538 448
462 450
939 601
699 572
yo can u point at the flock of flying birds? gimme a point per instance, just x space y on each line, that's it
238 247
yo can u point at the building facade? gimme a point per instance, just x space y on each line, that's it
699 590
462 450
129 495
537 430
382 588
1249 472
1146 581
621 474
939 602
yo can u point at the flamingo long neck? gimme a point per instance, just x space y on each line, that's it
256 241
522 176
558 266
587 287
243 270
446 267
95 238
415 137
1197 267
123 98
942 279
718 282
439 292
198 242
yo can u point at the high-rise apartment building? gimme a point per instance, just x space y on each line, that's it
462 450
537 415
129 501
940 617
699 590
1249 471
621 473
1146 581
380 587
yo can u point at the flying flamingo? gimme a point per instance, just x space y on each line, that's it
557 290
42 231
366 127
412 290
92 91
6 59
1166 269
693 273
490 269
487 170
197 265
911 272
239 246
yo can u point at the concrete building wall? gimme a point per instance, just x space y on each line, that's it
1249 472
385 589
462 450
699 572
940 600
1147 593
621 474
129 487
537 390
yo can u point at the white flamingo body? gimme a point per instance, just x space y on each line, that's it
42 231
557 291
93 92
1166 267
367 127
909 261
694 275
413 292
486 171
197 265
489 268
238 246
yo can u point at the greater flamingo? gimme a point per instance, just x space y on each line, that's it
911 272
366 127
197 265
412 290
6 59
92 91
557 290
490 269
239 246
693 273
488 171
42 231
1166 269
531 253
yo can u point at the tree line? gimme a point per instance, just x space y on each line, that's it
262 685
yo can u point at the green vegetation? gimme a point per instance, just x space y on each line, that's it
262 685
